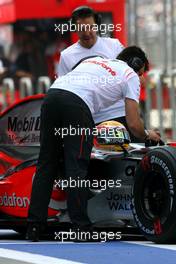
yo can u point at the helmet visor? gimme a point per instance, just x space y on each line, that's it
112 135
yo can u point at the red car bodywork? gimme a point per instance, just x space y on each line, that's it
18 158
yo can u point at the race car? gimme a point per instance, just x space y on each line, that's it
130 184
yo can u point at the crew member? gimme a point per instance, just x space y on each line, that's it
70 102
91 43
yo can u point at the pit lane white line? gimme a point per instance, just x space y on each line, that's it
24 242
33 258
151 244
7 231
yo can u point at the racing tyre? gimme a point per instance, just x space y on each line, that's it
154 195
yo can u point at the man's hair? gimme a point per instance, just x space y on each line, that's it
134 52
84 12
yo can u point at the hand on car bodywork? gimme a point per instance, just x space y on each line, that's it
153 135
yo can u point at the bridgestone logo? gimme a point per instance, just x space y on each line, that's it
141 226
13 200
162 164
26 124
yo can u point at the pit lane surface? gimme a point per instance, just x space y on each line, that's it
15 250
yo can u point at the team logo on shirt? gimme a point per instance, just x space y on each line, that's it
102 64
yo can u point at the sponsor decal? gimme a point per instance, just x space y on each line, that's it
26 124
103 65
141 226
28 138
13 200
155 160
119 201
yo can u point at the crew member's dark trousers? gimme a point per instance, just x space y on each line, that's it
62 110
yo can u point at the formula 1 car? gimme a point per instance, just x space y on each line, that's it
135 186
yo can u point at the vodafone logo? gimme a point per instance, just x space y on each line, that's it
14 201
103 65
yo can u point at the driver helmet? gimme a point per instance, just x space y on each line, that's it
111 136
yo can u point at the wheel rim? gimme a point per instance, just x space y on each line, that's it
155 198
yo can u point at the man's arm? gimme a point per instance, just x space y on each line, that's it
62 67
119 46
135 123
133 119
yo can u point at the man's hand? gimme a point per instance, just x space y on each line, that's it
135 123
154 135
